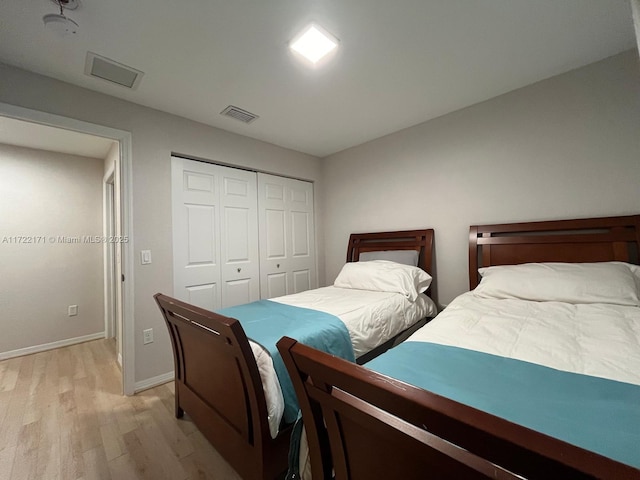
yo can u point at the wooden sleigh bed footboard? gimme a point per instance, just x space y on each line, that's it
364 425
220 360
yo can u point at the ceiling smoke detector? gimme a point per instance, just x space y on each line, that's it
58 22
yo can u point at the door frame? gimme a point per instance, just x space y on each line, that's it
126 201
112 294
108 228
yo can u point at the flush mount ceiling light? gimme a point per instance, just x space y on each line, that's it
58 22
314 43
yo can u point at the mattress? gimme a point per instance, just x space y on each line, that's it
601 340
371 318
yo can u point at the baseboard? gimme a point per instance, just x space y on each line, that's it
153 381
50 346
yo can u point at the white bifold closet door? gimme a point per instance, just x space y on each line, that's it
215 231
287 246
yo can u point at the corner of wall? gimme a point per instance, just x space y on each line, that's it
635 7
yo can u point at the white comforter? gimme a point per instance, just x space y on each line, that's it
601 340
596 339
371 317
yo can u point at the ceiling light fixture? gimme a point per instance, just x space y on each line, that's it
314 43
59 23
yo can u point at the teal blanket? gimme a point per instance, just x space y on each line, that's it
596 414
266 322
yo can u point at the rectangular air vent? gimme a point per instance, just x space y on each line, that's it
112 71
239 114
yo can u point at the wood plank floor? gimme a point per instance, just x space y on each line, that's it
62 416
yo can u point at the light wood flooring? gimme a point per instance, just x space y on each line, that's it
62 416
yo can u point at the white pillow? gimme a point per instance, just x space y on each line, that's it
604 282
384 276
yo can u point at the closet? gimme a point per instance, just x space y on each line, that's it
239 235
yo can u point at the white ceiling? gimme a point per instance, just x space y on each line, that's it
400 62
43 137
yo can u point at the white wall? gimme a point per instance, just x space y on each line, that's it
155 135
635 7
49 194
565 147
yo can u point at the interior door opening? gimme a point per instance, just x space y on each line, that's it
117 206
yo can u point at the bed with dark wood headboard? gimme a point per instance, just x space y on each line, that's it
217 379
573 241
364 423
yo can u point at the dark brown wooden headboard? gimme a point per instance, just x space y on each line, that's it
583 240
419 240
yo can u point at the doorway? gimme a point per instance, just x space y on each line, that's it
117 216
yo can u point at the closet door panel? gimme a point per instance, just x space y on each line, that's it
215 229
237 292
196 231
300 235
287 250
204 296
276 285
237 235
239 238
273 191
302 262
201 228
276 239
301 280
273 225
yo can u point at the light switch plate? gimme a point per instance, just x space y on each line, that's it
145 257
147 336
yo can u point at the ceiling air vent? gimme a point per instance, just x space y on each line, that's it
239 114
112 71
